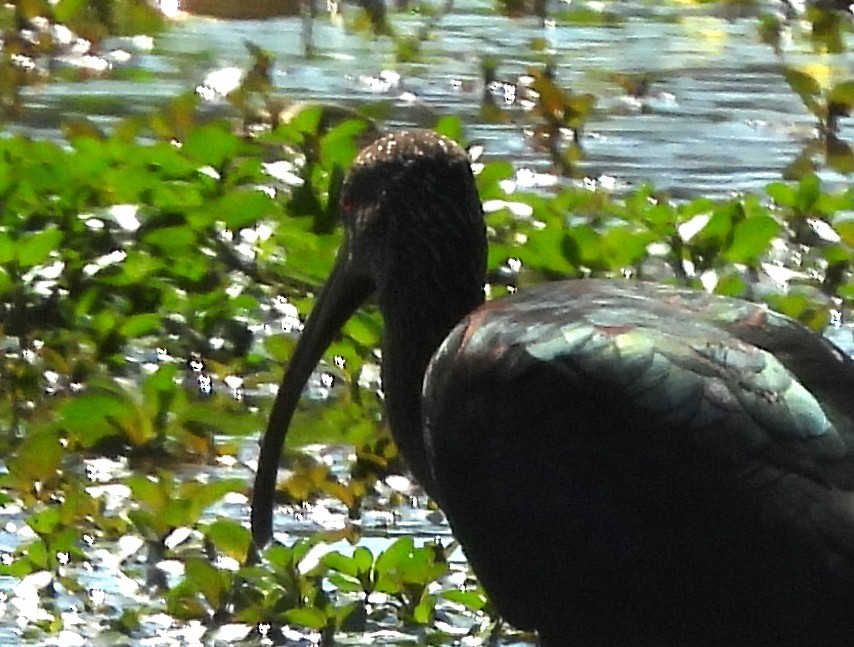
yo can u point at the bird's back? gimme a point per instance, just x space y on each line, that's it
637 463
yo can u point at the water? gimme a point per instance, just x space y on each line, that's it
719 119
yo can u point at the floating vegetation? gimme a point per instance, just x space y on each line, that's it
153 277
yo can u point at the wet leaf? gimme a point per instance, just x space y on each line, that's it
353 566
37 460
45 521
244 208
7 248
37 554
805 86
279 347
782 193
153 494
36 248
731 285
842 94
172 241
488 180
209 581
751 238
472 600
808 193
139 325
845 229
6 283
450 126
306 120
212 144
92 417
840 156
310 617
339 145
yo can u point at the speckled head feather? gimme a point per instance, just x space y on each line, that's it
411 209
401 171
408 145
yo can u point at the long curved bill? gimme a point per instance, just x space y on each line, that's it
345 290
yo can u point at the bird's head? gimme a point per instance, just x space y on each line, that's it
410 205
414 234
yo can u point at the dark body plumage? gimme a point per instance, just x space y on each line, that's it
623 463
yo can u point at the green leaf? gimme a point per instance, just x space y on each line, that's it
450 126
626 246
363 559
838 253
207 580
423 612
365 328
38 459
20 567
805 86
808 193
206 494
139 325
35 248
230 538
169 161
176 196
355 566
341 563
137 266
781 193
842 94
845 229
840 156
731 285
244 207
6 283
582 246
339 146
352 617
400 550
162 380
471 600
150 493
307 119
489 177
91 417
37 554
213 145
279 347
7 248
173 240
44 521
311 617
344 583
751 238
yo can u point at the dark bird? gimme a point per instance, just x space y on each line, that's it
623 463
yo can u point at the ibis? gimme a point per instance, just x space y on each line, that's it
623 463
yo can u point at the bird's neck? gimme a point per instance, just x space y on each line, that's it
414 329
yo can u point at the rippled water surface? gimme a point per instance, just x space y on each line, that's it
719 117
